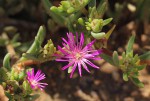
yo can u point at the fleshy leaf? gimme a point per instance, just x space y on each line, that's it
140 67
125 77
109 32
102 8
92 3
3 74
115 58
145 56
137 82
57 17
98 35
36 46
6 61
107 21
130 44
107 58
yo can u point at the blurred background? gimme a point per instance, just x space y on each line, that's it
19 23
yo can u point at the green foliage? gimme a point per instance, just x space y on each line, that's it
15 84
14 79
6 62
27 90
130 44
45 54
30 56
92 3
109 32
14 41
97 13
137 82
115 58
3 74
125 77
102 8
103 35
56 16
145 56
107 58
48 50
129 63
107 21
36 46
70 6
17 74
98 35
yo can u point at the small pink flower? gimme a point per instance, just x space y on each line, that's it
35 78
77 54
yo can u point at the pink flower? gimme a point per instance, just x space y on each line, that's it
35 78
77 54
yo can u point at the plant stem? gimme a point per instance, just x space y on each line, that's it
27 63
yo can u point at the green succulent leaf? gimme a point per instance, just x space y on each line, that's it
92 3
30 56
26 88
15 38
145 56
137 82
115 58
21 75
6 61
102 8
140 67
110 32
36 46
57 17
130 44
107 58
98 35
125 77
3 74
107 21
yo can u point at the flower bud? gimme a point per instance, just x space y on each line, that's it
65 4
55 9
81 21
70 10
49 49
97 25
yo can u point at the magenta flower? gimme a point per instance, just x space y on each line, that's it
35 78
77 54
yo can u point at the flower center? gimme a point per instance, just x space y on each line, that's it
34 82
78 56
